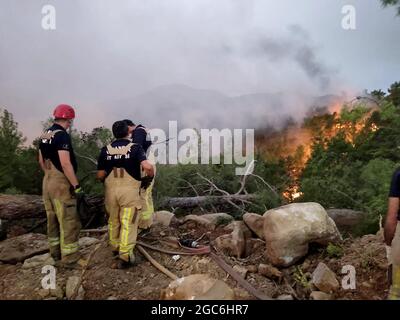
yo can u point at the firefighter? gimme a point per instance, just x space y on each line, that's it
139 134
119 167
61 187
392 236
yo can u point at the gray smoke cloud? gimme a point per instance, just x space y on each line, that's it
295 46
204 63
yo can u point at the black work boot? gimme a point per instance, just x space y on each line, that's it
71 261
120 264
55 253
115 253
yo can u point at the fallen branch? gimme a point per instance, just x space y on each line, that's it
156 264
94 230
18 207
91 255
189 252
86 158
191 202
245 284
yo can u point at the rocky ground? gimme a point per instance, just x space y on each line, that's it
320 270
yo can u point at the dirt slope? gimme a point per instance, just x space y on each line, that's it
143 281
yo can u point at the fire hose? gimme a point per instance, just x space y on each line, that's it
202 250
199 251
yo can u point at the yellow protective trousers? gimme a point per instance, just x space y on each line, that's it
63 223
394 293
123 205
146 195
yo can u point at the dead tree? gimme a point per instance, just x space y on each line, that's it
15 207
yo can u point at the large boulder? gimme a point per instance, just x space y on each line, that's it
288 230
255 222
18 249
346 219
197 287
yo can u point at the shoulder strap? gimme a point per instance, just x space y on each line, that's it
49 134
121 150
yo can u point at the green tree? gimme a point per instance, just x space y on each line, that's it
11 141
394 93
387 3
28 175
378 94
87 148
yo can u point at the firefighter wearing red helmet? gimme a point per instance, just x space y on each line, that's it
61 187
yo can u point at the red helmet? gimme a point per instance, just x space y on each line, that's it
64 111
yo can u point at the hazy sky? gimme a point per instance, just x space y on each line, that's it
104 51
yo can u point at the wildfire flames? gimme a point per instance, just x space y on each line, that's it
295 137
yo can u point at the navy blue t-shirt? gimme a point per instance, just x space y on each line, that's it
395 187
130 162
61 141
140 136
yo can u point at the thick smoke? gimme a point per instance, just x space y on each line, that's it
204 63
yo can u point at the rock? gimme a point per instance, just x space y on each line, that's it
366 284
44 293
87 242
242 294
285 297
241 270
254 245
197 287
112 298
58 292
269 271
40 260
202 265
163 217
18 249
324 279
288 230
306 265
346 219
218 218
255 222
198 220
72 283
242 226
318 295
210 220
233 244
252 268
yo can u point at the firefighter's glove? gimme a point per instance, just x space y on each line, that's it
81 204
146 182
76 191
